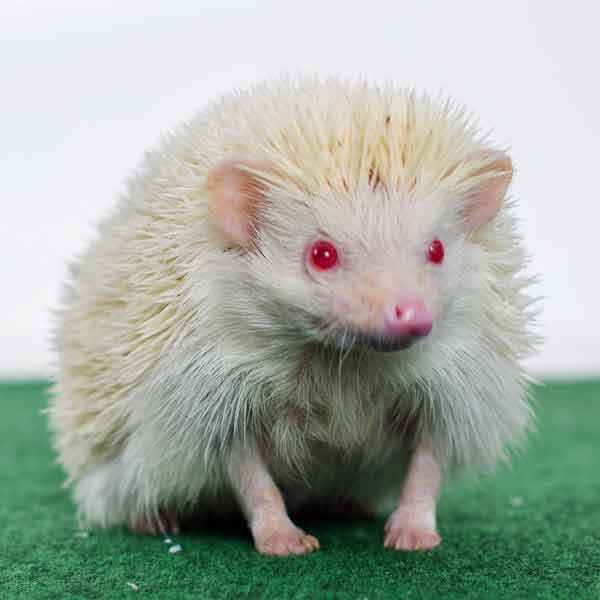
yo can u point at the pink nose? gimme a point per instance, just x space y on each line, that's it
409 318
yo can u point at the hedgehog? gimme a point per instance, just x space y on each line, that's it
310 296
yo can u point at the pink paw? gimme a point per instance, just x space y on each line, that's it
283 542
408 537
164 524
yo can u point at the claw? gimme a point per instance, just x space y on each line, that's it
288 540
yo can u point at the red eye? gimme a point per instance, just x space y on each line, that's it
323 255
435 253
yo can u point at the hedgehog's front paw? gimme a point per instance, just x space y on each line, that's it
283 539
401 534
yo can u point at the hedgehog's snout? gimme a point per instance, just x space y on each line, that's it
409 318
401 324
384 324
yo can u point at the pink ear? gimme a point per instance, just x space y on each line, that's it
234 192
485 199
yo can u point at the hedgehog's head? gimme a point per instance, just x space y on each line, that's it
369 267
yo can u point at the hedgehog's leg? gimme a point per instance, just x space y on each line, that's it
264 508
412 525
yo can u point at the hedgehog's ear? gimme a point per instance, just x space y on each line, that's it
485 198
235 188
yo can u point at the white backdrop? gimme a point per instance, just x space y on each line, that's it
85 87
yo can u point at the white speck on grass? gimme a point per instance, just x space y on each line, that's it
82 534
517 501
168 541
135 588
175 549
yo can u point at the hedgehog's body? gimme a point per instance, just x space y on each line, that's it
194 334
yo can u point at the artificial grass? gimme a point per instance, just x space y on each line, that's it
532 531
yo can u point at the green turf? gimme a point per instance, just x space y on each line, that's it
546 547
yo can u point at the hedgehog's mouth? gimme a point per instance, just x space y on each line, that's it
348 340
384 343
378 343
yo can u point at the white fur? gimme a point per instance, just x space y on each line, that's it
172 346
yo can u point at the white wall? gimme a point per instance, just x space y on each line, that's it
85 87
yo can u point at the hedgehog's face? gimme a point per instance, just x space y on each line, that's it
363 269
369 268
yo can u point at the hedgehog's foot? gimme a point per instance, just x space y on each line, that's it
262 504
165 523
402 535
412 525
283 539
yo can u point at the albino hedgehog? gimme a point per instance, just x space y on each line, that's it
311 295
